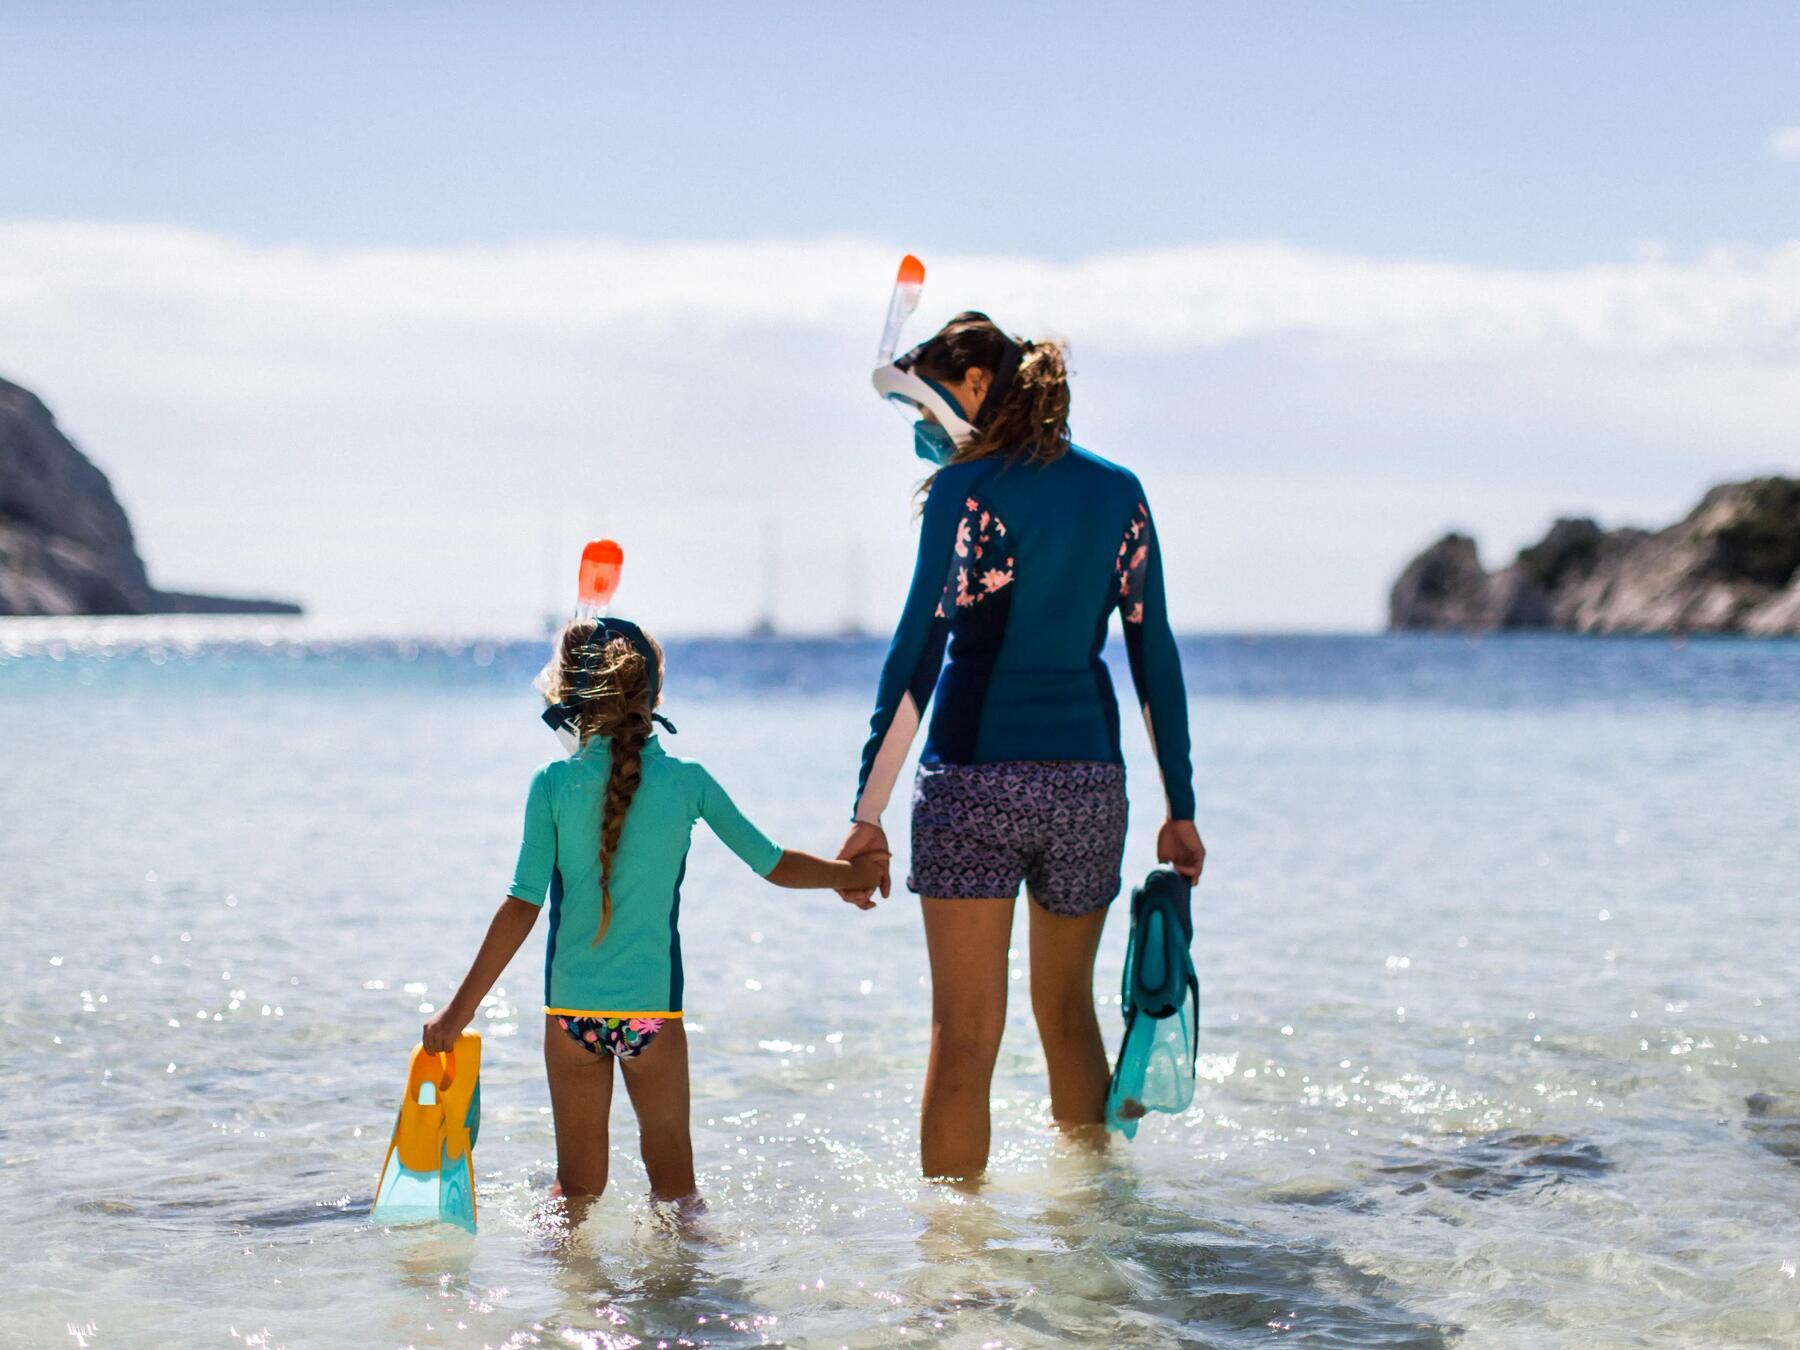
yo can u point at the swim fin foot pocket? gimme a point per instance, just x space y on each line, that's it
1160 995
429 1172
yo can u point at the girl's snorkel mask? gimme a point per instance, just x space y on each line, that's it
601 563
939 427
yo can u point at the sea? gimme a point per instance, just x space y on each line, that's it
1500 1029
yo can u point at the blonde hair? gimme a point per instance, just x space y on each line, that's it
614 685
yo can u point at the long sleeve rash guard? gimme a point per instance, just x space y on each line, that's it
1019 570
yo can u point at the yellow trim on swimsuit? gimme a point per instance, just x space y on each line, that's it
588 1012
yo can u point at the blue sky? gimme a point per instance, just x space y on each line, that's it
206 207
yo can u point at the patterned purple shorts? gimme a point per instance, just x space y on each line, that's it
1057 825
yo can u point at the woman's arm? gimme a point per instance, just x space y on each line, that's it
914 656
511 923
908 675
1156 673
1155 661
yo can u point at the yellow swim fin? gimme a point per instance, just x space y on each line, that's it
429 1172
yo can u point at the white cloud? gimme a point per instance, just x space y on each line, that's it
266 316
1784 143
400 434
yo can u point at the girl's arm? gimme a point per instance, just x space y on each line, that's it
786 866
807 872
512 922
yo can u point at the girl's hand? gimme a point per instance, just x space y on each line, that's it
440 1033
1178 844
866 837
867 871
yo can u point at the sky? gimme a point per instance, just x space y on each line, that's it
388 307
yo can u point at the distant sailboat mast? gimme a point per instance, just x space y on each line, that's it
552 614
852 625
765 623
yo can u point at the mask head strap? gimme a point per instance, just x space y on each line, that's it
908 360
566 714
1011 353
1001 385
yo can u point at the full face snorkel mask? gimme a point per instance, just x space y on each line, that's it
601 563
939 427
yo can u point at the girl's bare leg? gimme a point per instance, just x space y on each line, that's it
967 942
581 1092
657 1081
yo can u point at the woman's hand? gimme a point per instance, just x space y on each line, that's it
440 1033
867 871
1178 844
866 837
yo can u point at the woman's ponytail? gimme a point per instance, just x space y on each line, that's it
1031 419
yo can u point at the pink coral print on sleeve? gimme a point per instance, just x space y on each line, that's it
1133 565
980 565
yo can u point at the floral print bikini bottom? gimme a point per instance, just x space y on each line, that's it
620 1037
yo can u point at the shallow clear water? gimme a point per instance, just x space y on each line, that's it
1500 1035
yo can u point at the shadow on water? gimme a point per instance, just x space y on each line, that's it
227 1211
1098 1261
649 1278
1495 1164
1225 1284
1774 1124
1087 1251
1231 1285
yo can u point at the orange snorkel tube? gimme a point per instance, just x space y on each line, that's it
601 562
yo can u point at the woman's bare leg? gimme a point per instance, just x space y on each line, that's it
581 1091
657 1082
967 942
1062 998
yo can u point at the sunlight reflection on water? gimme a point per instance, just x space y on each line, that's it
1498 1037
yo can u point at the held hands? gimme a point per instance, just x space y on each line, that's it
866 841
440 1033
1178 844
867 871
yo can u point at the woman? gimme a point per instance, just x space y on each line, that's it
1027 545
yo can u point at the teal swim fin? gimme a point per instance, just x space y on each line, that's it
429 1172
1160 995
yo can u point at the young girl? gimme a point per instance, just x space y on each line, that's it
607 833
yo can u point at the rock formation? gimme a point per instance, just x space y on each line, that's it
65 543
1732 566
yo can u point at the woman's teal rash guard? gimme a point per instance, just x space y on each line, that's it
1020 568
636 968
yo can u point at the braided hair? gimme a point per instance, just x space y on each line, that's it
614 683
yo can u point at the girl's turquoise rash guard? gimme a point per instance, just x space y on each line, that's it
636 967
1020 568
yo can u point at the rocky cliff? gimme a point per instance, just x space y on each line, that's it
1732 566
65 544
